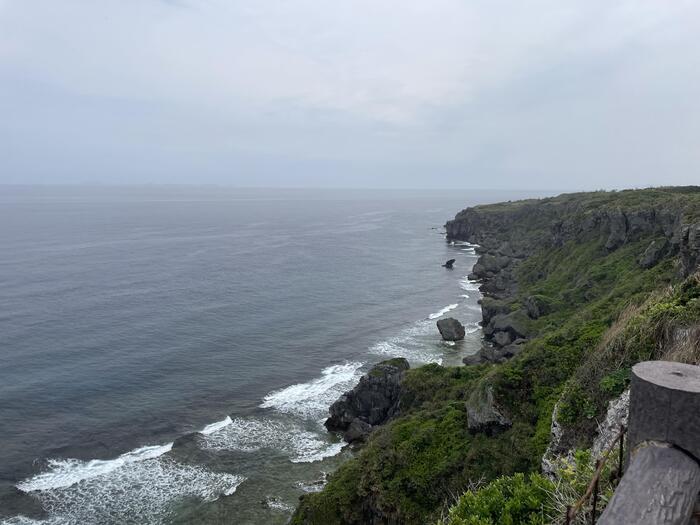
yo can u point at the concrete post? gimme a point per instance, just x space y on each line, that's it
662 482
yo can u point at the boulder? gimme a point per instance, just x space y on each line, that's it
654 253
491 307
373 401
502 338
537 306
483 416
451 329
515 323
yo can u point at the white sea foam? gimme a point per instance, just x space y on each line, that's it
311 400
135 492
250 435
278 504
468 285
213 427
442 312
411 343
67 472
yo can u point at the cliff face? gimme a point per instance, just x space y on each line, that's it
577 288
664 221
517 230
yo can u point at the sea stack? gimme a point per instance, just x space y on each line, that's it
451 329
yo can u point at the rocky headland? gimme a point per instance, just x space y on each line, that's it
576 290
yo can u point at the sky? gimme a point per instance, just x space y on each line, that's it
463 94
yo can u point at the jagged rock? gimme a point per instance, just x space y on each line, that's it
474 359
357 431
690 248
451 329
515 323
491 307
502 338
616 416
537 306
373 401
654 253
482 413
618 230
510 351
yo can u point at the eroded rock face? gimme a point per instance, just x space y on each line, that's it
451 329
654 253
482 413
514 324
372 402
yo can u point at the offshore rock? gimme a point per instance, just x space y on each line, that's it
373 401
483 416
451 329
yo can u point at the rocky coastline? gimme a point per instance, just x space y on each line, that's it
507 237
567 283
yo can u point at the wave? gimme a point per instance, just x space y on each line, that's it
468 285
250 435
412 344
215 427
139 491
442 312
67 472
311 400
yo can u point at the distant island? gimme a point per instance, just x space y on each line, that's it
577 289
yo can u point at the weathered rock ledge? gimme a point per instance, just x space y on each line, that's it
373 401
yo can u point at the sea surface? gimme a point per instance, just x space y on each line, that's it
228 320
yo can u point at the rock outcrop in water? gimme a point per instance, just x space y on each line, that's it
451 329
373 401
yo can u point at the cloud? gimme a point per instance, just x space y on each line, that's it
384 92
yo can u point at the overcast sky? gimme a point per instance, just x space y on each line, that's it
548 94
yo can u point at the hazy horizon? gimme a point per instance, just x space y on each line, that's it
303 94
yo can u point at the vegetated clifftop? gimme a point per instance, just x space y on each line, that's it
577 289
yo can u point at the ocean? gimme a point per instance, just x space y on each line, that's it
168 354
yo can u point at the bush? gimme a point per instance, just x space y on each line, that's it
508 500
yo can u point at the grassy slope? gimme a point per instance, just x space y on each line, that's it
415 464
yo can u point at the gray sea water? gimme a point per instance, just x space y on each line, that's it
131 317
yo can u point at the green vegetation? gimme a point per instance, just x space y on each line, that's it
505 501
533 499
601 313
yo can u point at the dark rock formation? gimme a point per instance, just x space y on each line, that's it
537 306
514 324
482 413
507 235
654 253
373 401
451 329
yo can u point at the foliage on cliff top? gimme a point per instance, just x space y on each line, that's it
685 196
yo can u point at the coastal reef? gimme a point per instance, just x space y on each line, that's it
577 289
